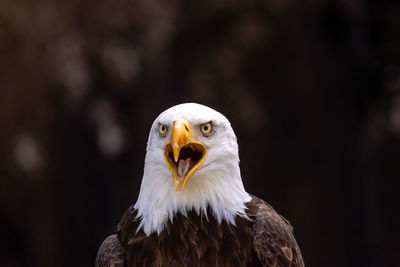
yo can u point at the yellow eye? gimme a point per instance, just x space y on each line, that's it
163 129
206 129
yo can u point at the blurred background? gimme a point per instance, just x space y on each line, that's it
312 89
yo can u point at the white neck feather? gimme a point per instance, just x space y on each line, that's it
216 184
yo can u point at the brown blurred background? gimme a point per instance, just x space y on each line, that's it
312 89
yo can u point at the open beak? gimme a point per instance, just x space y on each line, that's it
183 153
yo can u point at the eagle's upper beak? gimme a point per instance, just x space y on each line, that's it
183 153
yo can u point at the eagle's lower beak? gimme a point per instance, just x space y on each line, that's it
183 153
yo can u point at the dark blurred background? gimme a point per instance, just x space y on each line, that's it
312 89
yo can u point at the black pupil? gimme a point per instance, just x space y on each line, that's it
205 127
163 128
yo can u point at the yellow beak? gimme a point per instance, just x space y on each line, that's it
183 153
180 136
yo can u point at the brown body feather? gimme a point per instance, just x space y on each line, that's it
199 240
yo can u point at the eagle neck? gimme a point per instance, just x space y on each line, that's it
218 191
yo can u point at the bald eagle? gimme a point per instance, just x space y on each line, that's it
192 208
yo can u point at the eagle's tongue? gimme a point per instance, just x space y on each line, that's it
183 167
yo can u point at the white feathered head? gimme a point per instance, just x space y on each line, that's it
192 163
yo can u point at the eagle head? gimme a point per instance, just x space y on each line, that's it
191 163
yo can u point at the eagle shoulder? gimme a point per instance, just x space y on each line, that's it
140 249
111 253
273 239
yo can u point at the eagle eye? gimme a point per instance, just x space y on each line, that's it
162 129
206 129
